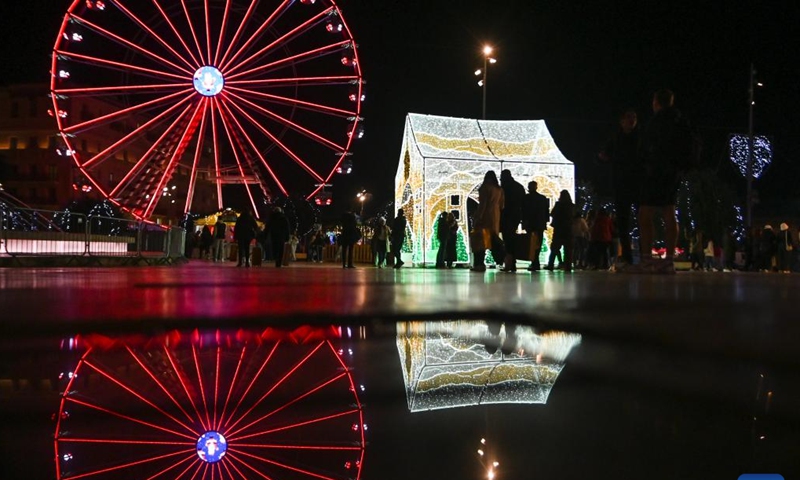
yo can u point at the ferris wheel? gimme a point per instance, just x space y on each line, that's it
159 100
213 409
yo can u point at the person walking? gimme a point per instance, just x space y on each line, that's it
380 241
218 249
661 163
278 232
785 247
443 237
350 235
487 220
535 213
562 231
398 235
244 231
451 255
206 240
510 217
622 153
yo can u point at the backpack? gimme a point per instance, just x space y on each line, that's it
688 145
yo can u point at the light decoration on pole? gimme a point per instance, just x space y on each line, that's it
443 161
467 363
739 147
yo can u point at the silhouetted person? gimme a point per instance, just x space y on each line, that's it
219 240
562 231
510 217
398 234
278 231
443 237
535 213
487 219
350 235
244 231
622 152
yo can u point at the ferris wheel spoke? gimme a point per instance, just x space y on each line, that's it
293 81
114 65
175 465
155 35
282 465
283 39
234 142
285 121
200 466
233 383
129 418
124 441
133 135
116 38
216 388
78 127
158 382
275 386
197 152
303 56
297 425
289 403
137 395
294 101
275 446
217 172
143 159
168 20
125 465
235 460
250 386
208 32
255 149
223 25
200 382
230 473
194 33
181 378
180 148
225 62
116 90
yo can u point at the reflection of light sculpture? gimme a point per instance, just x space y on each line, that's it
465 363
443 161
740 153
274 404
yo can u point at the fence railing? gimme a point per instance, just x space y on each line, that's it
26 231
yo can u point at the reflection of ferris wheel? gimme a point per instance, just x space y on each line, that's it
210 411
197 95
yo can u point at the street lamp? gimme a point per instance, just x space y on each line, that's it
487 59
362 197
489 466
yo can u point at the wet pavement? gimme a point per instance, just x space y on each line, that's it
693 375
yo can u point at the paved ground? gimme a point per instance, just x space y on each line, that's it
751 316
672 371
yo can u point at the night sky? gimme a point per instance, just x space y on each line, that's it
574 64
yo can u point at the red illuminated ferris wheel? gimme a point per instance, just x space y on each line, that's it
210 408
201 96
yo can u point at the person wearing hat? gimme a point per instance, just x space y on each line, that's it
785 247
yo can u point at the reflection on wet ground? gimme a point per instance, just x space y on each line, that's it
196 371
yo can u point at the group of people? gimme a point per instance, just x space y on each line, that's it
385 239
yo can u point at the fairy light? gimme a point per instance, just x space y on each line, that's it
740 153
446 158
448 364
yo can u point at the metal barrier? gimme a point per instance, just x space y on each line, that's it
29 232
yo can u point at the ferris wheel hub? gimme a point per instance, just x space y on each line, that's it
211 446
208 81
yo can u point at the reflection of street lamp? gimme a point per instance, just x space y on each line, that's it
489 466
487 59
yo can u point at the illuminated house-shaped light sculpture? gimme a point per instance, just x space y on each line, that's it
466 363
443 161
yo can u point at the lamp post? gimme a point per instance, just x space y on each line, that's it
487 60
751 146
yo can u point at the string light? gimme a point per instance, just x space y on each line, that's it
443 161
740 153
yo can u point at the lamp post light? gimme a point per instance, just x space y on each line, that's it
487 60
362 197
751 146
489 466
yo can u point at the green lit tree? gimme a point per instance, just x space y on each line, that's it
461 247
